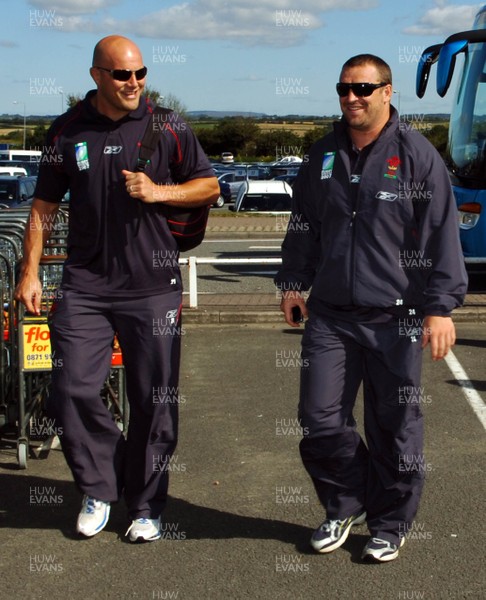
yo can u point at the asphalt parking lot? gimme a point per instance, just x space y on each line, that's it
241 507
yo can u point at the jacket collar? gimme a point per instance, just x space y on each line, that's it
341 127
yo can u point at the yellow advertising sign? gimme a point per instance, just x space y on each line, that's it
36 347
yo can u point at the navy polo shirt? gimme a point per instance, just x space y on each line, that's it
117 245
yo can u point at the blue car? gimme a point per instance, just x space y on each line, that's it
16 191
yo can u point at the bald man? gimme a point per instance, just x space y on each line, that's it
112 284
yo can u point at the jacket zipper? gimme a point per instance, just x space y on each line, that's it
353 223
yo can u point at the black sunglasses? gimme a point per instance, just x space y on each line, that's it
125 74
359 89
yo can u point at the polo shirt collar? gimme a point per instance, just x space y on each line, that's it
91 113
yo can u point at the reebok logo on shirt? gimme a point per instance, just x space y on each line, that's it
112 149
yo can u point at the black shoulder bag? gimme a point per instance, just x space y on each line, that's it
187 225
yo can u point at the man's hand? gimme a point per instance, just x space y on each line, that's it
200 191
440 333
141 187
39 226
29 292
289 300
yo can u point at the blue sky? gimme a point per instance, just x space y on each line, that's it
271 56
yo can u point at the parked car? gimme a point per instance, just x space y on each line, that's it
13 171
284 169
220 169
31 166
288 160
234 180
224 193
253 170
288 178
227 157
16 191
264 196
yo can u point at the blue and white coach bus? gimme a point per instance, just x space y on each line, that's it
466 149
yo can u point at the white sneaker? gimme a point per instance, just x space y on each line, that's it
334 532
93 516
144 530
379 550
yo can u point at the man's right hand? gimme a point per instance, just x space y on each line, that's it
288 302
29 292
39 227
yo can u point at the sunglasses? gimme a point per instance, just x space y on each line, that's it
359 89
125 74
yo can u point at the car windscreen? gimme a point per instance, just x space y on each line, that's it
266 202
29 187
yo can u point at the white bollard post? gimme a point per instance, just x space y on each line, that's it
192 282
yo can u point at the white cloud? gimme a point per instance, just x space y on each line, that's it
445 19
72 7
249 22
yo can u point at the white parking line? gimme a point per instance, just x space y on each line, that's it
474 399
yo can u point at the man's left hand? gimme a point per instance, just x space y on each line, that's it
440 333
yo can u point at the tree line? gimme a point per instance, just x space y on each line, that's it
247 141
242 136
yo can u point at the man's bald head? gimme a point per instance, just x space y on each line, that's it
109 48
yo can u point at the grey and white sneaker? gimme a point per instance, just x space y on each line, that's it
93 516
144 530
378 550
334 532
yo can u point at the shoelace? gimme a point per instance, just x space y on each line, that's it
382 542
331 524
90 505
141 521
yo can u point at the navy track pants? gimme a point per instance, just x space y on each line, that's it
102 461
384 477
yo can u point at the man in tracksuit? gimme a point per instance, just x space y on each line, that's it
121 276
374 233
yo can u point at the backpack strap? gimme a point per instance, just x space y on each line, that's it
150 139
146 149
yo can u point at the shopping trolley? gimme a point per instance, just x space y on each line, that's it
26 359
11 233
36 361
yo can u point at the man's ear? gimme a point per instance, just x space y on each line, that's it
95 74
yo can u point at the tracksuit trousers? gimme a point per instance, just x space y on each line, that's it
103 463
384 477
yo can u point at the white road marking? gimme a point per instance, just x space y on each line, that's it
472 396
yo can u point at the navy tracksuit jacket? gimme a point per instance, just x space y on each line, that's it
374 236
